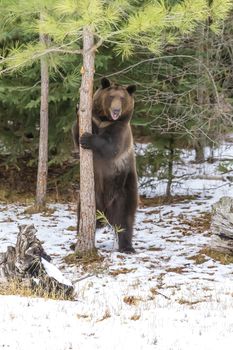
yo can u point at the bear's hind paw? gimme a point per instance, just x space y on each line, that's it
127 250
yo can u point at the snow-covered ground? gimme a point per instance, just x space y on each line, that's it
167 296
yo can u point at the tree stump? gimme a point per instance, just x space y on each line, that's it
222 225
28 263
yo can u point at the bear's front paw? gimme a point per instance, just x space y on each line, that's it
85 140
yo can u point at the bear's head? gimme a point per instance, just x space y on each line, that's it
113 102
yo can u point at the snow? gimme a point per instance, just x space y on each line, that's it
54 272
36 324
159 298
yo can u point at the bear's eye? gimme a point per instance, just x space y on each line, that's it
111 97
122 98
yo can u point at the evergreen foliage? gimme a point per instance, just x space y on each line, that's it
153 43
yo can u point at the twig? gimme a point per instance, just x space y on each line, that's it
172 56
83 278
166 297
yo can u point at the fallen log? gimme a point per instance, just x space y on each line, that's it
222 225
28 263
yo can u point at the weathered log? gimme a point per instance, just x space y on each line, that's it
28 263
222 225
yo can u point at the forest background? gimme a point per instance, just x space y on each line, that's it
184 84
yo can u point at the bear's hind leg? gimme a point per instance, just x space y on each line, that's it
120 216
125 237
100 208
128 213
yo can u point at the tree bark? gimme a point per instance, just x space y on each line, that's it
87 212
170 167
199 152
203 98
43 141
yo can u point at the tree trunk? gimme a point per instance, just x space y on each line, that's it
87 216
199 152
203 97
170 167
43 142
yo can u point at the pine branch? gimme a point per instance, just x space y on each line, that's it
30 54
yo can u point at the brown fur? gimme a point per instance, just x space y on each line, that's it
114 160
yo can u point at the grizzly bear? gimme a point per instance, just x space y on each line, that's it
113 155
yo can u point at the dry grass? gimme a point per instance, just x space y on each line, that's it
87 258
82 316
154 249
159 200
131 300
121 271
135 317
106 315
189 302
34 209
178 269
221 257
199 224
17 287
72 228
153 291
92 262
198 258
10 196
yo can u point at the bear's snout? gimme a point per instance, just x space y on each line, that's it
115 113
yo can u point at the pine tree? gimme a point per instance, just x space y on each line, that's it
36 11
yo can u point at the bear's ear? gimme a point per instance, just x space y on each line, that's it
131 89
105 83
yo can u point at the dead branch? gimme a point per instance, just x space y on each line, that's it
222 225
